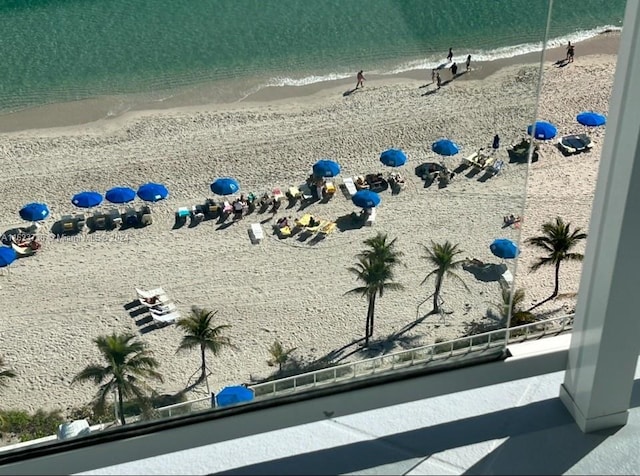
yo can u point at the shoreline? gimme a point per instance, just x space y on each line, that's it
93 112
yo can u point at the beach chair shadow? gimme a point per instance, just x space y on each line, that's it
473 172
460 168
348 222
131 305
224 226
139 311
484 177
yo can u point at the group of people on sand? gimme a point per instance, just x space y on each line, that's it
435 73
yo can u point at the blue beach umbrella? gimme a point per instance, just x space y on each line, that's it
591 119
225 186
504 248
34 212
120 195
445 147
366 199
393 158
326 168
233 395
543 130
7 256
152 192
87 199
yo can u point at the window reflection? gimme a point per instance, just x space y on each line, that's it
296 219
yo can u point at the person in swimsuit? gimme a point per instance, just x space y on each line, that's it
361 80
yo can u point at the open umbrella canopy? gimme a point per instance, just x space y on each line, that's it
445 147
225 186
233 395
152 192
543 130
7 256
87 199
326 168
366 199
120 195
34 212
504 248
591 119
393 158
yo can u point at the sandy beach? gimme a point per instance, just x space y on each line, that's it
74 290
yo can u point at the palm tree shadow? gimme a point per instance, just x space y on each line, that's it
400 333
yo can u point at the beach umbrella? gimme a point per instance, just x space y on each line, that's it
504 248
366 199
225 186
87 199
233 395
152 192
7 256
34 212
120 195
591 119
326 168
543 130
393 158
445 147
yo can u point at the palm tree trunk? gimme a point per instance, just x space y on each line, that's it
436 294
203 376
121 407
372 306
557 285
367 325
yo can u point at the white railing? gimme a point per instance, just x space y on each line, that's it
388 362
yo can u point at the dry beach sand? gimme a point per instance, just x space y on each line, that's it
56 302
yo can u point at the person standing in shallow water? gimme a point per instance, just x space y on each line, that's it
468 62
361 80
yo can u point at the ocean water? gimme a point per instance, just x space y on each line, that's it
66 50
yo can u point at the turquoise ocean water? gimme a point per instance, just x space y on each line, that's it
64 50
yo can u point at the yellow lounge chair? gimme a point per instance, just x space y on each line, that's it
304 220
328 228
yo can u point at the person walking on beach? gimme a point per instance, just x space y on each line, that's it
438 80
361 80
570 52
433 76
454 69
568 49
468 63
450 55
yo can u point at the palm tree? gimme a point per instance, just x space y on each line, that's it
558 240
443 257
5 374
376 275
199 333
279 355
127 363
513 307
381 249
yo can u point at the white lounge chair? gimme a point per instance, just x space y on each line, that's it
256 232
162 308
166 318
350 186
149 294
371 217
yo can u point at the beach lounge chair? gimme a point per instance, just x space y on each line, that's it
519 152
277 194
329 189
256 233
114 219
294 192
327 228
168 318
371 217
304 221
149 294
211 208
496 167
227 208
575 143
350 186
131 217
99 221
23 251
305 192
162 308
282 232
